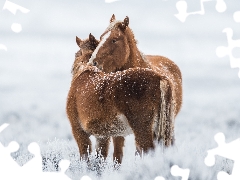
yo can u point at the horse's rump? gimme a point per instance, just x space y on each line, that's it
168 68
108 104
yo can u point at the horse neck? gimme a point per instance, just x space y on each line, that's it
84 71
135 58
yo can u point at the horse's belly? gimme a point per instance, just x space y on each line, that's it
118 127
122 127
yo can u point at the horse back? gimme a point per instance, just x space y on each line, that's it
92 96
164 62
137 93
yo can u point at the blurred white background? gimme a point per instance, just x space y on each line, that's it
35 75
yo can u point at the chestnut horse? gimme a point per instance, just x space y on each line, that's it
117 51
117 104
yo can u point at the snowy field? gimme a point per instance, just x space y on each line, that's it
35 75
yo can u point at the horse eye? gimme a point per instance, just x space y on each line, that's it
95 63
114 40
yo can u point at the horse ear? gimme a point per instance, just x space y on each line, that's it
126 21
112 18
78 41
124 24
93 40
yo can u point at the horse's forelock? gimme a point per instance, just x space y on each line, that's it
112 25
86 44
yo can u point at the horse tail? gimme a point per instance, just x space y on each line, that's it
165 130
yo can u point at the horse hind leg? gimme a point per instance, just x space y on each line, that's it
142 129
102 146
118 143
83 141
144 140
81 137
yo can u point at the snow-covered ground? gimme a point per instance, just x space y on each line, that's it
35 78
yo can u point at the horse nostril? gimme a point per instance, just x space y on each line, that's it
95 63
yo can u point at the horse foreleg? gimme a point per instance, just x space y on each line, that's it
118 143
102 146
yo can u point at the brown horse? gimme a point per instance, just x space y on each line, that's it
117 51
136 100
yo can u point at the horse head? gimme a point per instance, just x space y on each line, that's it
114 48
82 57
87 45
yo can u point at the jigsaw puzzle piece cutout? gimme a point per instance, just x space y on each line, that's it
220 139
182 9
33 168
210 159
159 178
7 164
236 16
222 51
221 6
34 165
5 125
228 150
12 7
16 27
64 165
177 171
